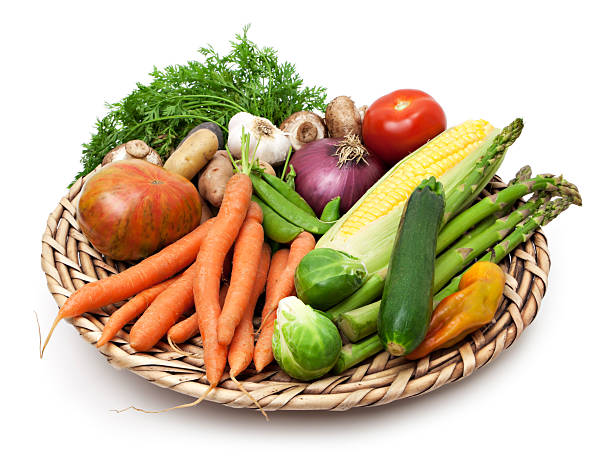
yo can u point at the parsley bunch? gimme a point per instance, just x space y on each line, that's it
248 79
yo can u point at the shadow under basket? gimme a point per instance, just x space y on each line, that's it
69 261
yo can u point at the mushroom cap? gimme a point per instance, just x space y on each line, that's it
134 149
342 117
303 127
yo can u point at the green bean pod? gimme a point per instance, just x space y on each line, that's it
276 228
331 211
288 192
286 209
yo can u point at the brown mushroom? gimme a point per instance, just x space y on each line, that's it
342 117
135 149
303 127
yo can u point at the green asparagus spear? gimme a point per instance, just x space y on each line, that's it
458 257
555 185
359 323
368 292
461 196
521 234
354 353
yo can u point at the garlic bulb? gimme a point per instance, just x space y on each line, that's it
267 142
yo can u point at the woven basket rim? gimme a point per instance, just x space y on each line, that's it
69 261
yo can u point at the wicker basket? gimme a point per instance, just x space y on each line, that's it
69 262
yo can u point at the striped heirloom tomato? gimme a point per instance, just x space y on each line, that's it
131 209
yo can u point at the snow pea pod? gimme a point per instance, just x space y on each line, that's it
286 209
276 228
288 192
331 211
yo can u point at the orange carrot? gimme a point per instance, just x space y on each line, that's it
163 313
277 265
244 271
283 287
130 310
150 271
209 265
242 346
185 329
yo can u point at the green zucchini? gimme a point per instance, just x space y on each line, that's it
406 306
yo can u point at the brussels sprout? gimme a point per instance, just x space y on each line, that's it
306 344
325 277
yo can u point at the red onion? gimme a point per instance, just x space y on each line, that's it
332 167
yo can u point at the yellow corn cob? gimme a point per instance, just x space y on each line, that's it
434 159
368 229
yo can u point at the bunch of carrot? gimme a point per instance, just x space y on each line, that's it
223 315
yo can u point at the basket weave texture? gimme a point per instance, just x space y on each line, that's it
69 261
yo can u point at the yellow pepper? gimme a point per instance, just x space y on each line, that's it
473 306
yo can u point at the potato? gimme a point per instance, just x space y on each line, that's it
206 212
268 169
213 179
193 154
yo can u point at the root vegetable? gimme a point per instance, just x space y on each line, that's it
206 212
303 127
216 129
213 180
135 149
342 117
193 154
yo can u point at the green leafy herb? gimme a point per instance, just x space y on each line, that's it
249 79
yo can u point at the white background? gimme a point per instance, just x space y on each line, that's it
544 403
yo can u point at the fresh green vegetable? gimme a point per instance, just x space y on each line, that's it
288 193
276 228
306 344
406 304
290 178
370 290
503 199
248 78
355 353
462 253
522 232
325 277
331 211
359 323
286 209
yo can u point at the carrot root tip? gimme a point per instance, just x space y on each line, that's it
175 347
248 394
182 406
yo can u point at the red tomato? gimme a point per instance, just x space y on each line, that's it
400 122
